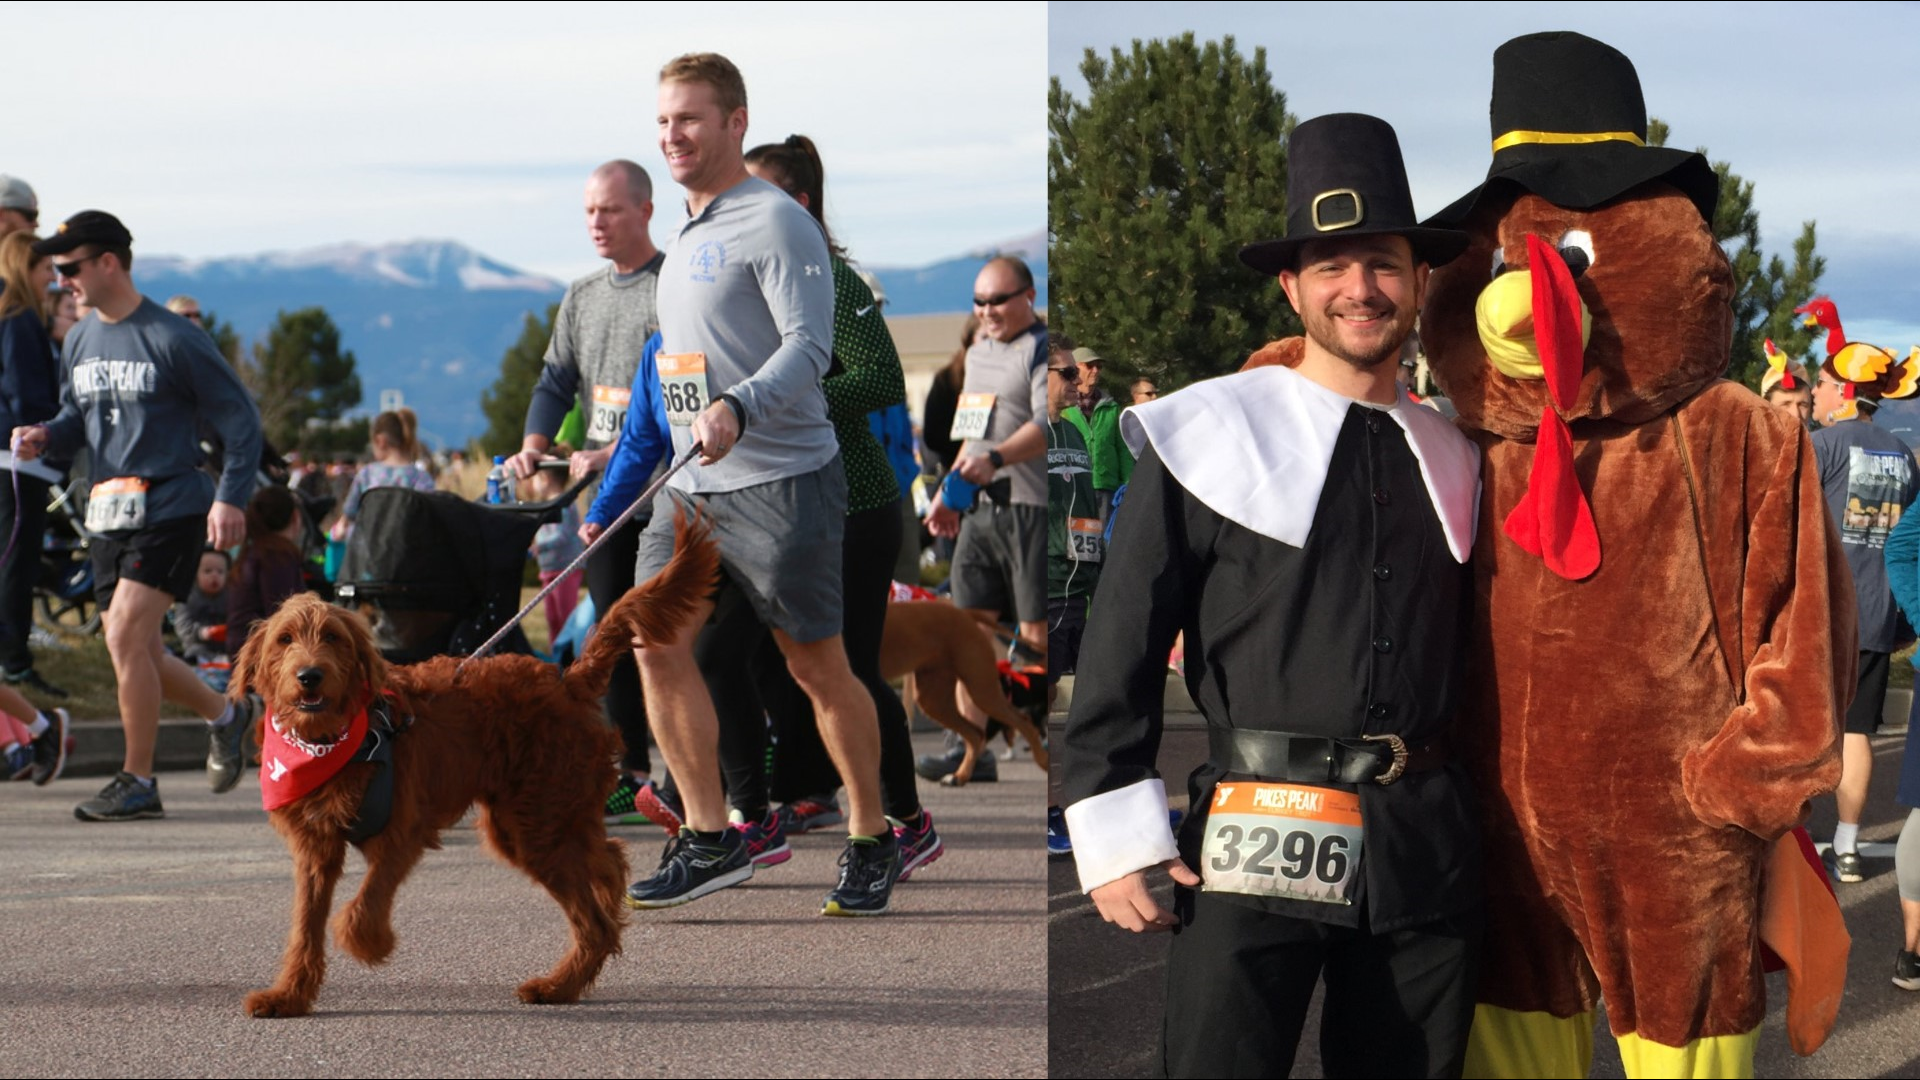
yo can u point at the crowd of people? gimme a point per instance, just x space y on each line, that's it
747 342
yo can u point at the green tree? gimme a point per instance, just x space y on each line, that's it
1765 289
225 337
299 374
505 402
1175 160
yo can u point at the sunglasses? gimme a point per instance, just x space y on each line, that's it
72 269
1069 372
997 299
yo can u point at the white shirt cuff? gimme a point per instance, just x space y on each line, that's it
1117 832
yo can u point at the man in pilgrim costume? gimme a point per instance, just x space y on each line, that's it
1307 527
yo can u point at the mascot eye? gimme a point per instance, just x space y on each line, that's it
1499 263
1577 249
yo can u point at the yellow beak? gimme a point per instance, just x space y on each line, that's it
1504 315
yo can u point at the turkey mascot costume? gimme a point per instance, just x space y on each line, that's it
1664 636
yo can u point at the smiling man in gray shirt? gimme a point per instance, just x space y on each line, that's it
746 324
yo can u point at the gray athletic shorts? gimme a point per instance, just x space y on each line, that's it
779 542
1000 560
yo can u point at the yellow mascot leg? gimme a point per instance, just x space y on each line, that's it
1509 1045
1711 1058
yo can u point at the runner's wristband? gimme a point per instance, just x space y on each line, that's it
739 410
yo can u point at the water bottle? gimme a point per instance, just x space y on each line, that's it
500 482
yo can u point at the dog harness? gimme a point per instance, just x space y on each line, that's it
292 768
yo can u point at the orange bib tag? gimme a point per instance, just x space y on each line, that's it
1282 840
117 504
683 383
970 416
1084 541
609 412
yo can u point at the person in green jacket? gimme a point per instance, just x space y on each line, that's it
1098 417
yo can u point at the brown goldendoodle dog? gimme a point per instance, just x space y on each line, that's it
510 733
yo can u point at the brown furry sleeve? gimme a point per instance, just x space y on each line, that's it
1283 353
1785 618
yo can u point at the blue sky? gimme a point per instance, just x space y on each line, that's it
1815 105
254 127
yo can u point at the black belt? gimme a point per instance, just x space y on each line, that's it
1317 759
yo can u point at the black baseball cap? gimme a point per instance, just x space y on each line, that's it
86 227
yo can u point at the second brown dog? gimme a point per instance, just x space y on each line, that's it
941 645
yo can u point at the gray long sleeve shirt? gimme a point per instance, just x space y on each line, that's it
747 283
135 391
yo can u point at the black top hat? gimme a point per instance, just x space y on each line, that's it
1345 178
1570 125
85 227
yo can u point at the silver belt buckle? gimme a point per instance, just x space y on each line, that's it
1399 748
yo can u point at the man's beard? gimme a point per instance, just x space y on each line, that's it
1324 330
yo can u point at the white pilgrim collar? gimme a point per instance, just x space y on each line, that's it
1255 447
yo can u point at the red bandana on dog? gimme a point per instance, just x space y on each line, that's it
292 768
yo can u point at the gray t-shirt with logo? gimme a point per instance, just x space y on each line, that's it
1868 477
746 284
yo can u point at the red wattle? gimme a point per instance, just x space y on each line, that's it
1552 520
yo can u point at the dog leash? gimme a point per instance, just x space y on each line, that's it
645 498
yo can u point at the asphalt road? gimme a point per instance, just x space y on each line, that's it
125 950
1106 986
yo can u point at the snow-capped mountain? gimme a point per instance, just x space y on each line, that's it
432 318
419 264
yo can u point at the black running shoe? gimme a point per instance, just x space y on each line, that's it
986 767
50 748
1847 868
868 869
227 746
123 799
1906 971
692 868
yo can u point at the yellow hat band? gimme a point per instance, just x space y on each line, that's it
1521 138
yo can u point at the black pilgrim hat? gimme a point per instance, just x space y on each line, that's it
1570 125
1345 178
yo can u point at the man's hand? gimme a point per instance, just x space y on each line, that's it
589 532
226 526
30 442
584 462
942 521
976 468
1126 903
716 430
523 464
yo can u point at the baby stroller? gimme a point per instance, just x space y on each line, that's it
438 575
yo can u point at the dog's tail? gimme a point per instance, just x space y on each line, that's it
655 610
